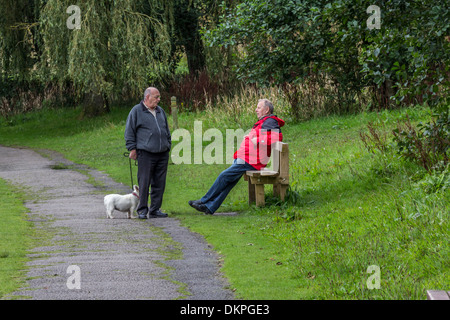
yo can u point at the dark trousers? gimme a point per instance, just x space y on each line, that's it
152 171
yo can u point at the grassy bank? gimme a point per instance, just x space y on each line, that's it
347 208
15 238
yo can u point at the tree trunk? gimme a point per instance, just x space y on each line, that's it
186 18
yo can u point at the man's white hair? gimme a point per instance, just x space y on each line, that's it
148 91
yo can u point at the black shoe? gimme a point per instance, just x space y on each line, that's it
142 216
194 202
199 206
158 214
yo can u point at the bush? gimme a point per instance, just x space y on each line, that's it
427 144
327 45
436 181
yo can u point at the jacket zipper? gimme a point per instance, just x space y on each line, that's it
159 129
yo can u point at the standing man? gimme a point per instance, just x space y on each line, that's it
253 154
147 137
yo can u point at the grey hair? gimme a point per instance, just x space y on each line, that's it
148 91
267 103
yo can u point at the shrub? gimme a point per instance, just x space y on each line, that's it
374 140
436 181
427 144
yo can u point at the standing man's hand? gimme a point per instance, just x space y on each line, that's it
133 154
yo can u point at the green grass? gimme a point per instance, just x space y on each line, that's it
15 239
347 209
256 266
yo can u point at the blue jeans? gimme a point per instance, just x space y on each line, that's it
224 183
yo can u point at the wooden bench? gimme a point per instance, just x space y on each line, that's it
279 176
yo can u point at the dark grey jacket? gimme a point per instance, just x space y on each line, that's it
145 132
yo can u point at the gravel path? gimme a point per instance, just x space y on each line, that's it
113 258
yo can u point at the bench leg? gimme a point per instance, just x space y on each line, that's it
259 193
251 192
279 190
276 190
283 189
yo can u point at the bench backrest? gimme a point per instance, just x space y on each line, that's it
280 158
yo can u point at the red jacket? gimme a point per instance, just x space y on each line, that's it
257 155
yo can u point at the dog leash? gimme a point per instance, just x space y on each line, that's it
127 154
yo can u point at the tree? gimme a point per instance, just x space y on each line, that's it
19 38
187 31
288 42
112 51
191 18
411 51
118 46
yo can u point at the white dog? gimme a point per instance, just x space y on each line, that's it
126 203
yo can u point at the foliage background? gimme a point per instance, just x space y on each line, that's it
321 53
367 115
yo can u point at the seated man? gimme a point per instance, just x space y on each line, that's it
253 154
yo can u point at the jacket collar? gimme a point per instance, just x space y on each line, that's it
264 118
144 107
267 115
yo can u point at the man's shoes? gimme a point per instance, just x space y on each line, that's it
194 202
199 206
158 214
142 216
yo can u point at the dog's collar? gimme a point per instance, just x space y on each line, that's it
134 194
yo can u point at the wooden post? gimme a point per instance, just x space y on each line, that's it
251 192
259 193
284 171
276 189
174 112
284 161
283 189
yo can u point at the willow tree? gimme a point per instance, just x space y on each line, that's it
112 53
119 48
113 49
18 38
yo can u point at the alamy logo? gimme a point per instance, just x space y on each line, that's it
74 21
74 281
250 146
373 282
374 21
